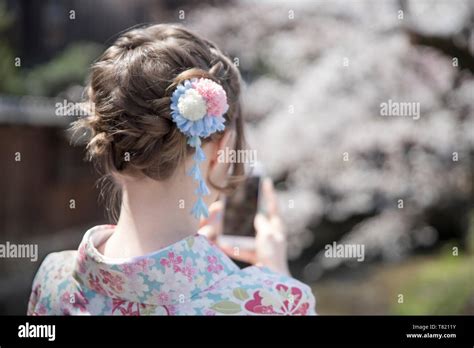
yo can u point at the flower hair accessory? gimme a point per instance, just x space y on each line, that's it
197 108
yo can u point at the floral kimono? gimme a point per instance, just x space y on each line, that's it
190 277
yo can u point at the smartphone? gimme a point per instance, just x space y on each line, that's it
240 210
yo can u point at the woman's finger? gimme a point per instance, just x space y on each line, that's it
212 226
269 197
216 209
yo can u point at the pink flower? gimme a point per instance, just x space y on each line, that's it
162 298
292 305
214 94
213 266
172 261
188 270
94 284
289 306
255 305
115 282
126 307
141 265
176 262
75 300
128 269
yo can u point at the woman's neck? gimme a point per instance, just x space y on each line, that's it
153 215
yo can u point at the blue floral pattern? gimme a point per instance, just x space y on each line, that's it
190 277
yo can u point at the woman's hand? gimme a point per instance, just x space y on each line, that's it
213 226
270 240
271 244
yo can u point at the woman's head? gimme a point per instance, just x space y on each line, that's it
130 86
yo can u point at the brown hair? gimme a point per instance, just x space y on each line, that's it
130 87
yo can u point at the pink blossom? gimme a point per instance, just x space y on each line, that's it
215 96
172 261
293 306
214 266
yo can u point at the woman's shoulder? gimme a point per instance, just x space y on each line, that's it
54 271
56 266
58 258
258 290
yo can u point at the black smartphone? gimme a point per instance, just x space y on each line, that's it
240 210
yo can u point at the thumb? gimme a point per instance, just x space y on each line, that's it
216 210
212 226
261 225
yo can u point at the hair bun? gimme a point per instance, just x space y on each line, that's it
131 85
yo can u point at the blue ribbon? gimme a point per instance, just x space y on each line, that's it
199 209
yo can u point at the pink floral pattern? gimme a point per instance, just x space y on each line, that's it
123 307
213 265
176 263
172 261
161 296
189 277
112 281
75 300
141 266
188 270
95 284
289 304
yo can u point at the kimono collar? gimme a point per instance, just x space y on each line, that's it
172 275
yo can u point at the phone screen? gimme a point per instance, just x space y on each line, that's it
241 208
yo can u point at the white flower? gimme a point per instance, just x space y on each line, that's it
138 287
201 264
179 248
192 105
155 275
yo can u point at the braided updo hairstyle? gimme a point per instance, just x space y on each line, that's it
130 87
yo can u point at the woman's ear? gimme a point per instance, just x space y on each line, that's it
225 141
219 163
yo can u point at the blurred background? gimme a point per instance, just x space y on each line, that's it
315 74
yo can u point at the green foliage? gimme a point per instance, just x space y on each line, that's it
10 81
69 67
226 307
470 233
6 18
441 286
